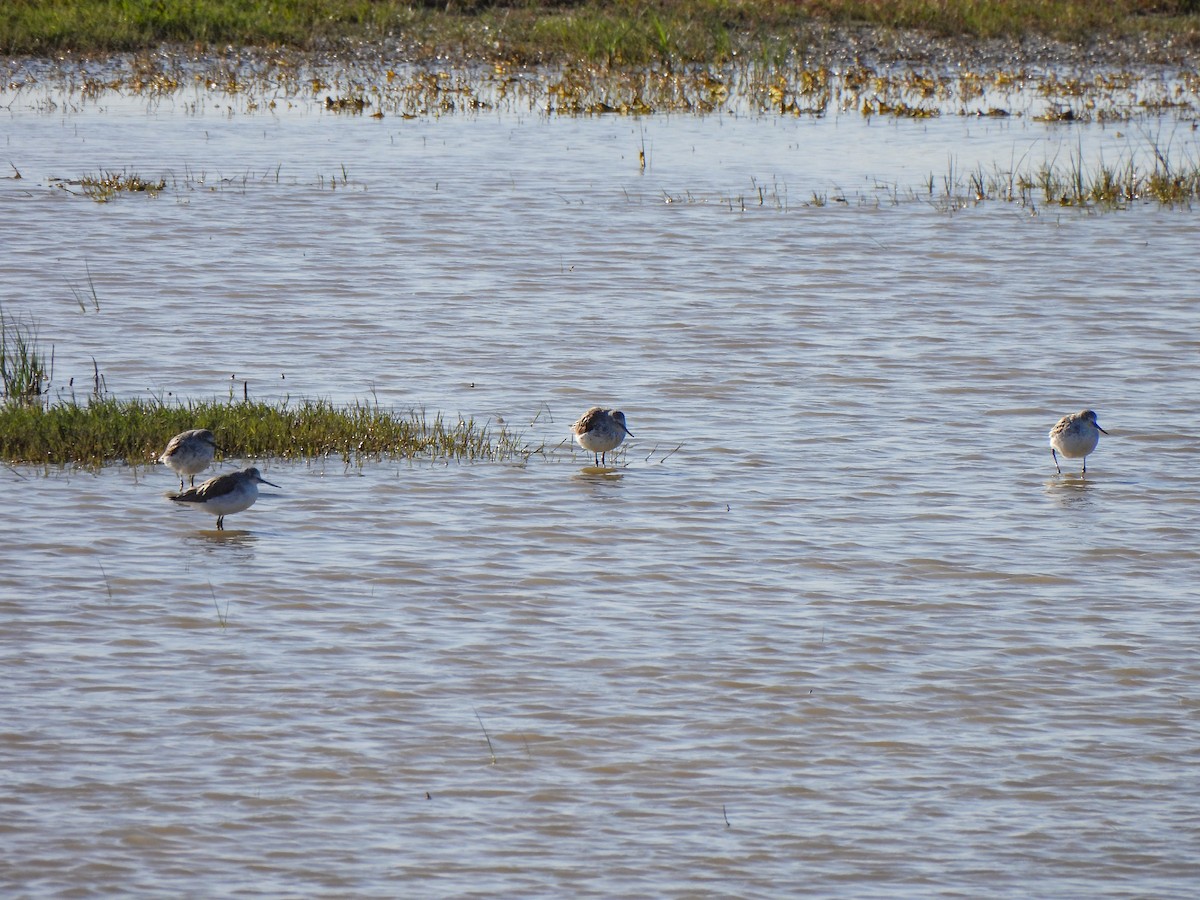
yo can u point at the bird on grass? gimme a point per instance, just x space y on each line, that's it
1075 436
189 453
226 494
600 430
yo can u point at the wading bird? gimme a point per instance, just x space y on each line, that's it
189 453
1075 436
600 430
226 494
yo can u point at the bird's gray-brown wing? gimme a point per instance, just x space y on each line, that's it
174 444
214 487
588 420
1067 425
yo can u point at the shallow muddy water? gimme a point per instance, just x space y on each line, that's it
831 626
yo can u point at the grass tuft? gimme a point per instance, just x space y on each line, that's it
24 370
106 186
105 430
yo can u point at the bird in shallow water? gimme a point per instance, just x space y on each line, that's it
600 430
189 453
1074 436
226 494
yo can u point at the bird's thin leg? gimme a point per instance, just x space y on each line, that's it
220 523
1055 455
1085 465
193 481
181 482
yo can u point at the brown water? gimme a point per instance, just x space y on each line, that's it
832 626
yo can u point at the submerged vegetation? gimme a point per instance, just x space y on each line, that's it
105 186
626 32
915 59
1168 175
1052 183
1055 61
1117 185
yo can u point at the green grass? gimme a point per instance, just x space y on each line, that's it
628 32
105 430
1168 182
1114 186
24 370
1064 19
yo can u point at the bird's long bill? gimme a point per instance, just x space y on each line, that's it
271 483
626 430
1101 430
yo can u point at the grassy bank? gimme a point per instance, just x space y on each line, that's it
137 431
622 32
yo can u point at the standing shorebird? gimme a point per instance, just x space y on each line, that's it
226 494
600 430
190 453
1075 436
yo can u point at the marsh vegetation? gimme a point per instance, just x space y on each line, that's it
1144 103
98 428
617 32
25 368
389 59
95 431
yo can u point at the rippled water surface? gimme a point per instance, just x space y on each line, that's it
832 625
